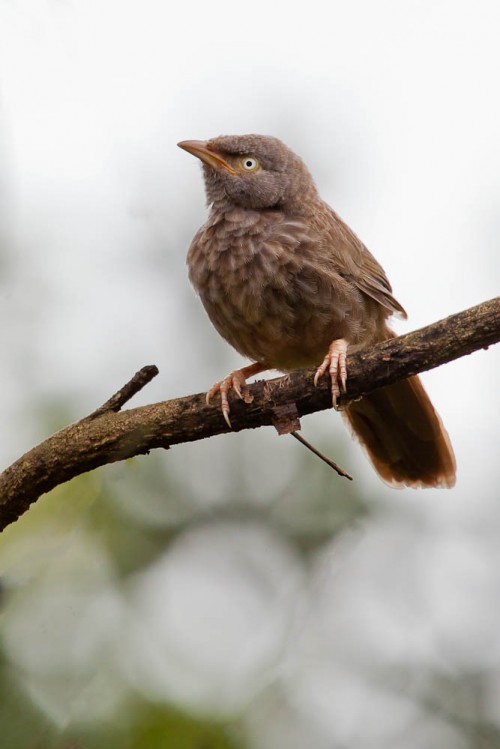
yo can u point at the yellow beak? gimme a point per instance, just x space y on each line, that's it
200 149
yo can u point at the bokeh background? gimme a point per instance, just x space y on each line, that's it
236 593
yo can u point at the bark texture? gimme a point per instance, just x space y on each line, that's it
109 434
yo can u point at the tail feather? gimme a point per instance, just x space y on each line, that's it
404 436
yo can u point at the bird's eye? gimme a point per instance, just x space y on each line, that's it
249 163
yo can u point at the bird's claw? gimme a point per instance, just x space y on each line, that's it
335 363
235 381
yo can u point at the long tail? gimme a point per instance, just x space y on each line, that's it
403 436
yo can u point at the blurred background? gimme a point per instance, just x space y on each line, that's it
235 592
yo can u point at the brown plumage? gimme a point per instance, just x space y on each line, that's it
289 285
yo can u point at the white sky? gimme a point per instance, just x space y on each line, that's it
393 105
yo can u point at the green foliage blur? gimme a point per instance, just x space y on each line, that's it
105 529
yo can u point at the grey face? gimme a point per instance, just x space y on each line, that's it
253 171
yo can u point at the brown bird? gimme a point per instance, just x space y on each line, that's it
289 285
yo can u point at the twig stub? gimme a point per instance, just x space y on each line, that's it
131 388
324 458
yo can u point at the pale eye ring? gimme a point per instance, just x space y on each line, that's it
249 163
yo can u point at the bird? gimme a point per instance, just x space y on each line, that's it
289 285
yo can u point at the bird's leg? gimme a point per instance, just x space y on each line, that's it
236 381
335 363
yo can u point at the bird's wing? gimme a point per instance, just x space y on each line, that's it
357 264
373 282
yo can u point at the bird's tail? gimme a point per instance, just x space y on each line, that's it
404 436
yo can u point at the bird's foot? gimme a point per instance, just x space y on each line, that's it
236 381
335 363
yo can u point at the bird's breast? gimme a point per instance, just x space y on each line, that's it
262 289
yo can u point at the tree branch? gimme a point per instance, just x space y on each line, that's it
109 435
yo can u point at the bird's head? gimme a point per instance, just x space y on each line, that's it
253 171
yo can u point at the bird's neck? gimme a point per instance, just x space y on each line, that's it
302 206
